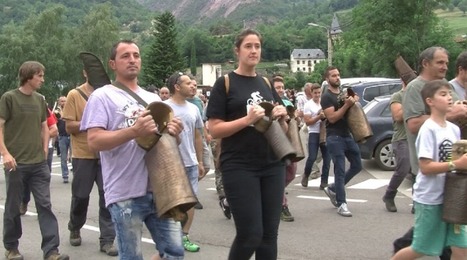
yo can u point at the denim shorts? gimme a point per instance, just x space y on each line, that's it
193 173
432 234
128 217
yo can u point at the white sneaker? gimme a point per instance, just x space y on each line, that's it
343 210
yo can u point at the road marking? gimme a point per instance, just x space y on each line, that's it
326 198
87 227
316 182
370 184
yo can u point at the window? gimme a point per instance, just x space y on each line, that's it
298 62
380 90
386 111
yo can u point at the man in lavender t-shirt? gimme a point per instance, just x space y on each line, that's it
113 120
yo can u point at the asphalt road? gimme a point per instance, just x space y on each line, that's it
318 232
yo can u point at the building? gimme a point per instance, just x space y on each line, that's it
305 59
210 73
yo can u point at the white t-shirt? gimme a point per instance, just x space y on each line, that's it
301 100
190 116
312 109
433 142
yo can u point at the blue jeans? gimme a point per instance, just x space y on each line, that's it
128 217
313 146
192 172
64 143
339 148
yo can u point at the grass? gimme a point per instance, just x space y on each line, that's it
456 20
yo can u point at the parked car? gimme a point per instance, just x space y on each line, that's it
367 91
379 145
348 81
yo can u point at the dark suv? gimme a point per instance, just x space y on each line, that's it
379 145
367 91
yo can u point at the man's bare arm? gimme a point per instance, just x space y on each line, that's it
72 127
414 123
8 161
45 138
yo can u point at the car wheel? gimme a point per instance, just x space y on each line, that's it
384 156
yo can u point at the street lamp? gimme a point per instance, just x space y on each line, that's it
328 32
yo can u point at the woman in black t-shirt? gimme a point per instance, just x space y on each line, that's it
253 176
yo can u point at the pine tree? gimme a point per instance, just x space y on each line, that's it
163 57
193 59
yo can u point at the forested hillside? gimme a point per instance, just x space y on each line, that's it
125 11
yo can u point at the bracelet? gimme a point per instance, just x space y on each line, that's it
451 166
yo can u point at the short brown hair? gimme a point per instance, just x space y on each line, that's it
28 69
328 69
429 90
315 86
113 51
243 34
461 62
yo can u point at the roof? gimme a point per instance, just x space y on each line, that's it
308 54
335 27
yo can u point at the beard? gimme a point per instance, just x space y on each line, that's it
335 84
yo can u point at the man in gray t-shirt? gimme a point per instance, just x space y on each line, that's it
433 63
460 81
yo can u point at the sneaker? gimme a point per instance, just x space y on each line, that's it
304 180
390 205
13 254
198 205
285 214
323 185
188 245
225 208
75 238
23 208
109 249
65 180
331 195
54 255
343 210
315 175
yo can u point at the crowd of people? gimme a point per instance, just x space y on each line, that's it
98 127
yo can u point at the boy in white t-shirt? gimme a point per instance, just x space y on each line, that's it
313 116
434 145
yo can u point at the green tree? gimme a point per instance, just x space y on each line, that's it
193 60
89 35
463 6
163 57
382 29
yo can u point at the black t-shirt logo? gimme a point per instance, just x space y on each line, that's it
445 151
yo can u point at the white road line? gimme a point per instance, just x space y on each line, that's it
316 182
370 184
326 198
87 227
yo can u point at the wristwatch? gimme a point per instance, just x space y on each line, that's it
451 166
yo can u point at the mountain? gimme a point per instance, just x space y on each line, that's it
246 11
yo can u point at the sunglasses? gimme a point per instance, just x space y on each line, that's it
180 74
